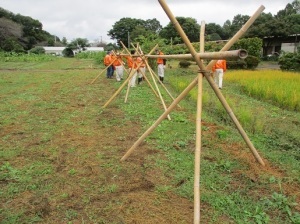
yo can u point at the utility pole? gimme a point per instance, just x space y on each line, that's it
128 38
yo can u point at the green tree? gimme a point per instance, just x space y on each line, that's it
262 27
188 24
128 29
252 45
214 31
79 44
290 8
153 25
11 44
139 31
68 52
148 42
293 23
121 29
226 30
64 41
37 50
237 23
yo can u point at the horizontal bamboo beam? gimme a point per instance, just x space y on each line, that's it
241 53
206 55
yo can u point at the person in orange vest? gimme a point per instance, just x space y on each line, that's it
142 68
132 63
129 60
219 69
108 62
160 66
118 64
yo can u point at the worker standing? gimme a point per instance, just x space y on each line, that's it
219 69
118 64
142 69
108 62
160 66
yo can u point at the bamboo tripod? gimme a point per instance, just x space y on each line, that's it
204 71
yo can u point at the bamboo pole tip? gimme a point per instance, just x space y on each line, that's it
243 54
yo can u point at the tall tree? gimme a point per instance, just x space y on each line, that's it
153 25
237 23
128 29
226 29
262 27
121 29
79 44
290 8
214 31
291 17
64 41
188 24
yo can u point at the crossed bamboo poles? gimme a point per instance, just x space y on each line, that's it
133 70
205 71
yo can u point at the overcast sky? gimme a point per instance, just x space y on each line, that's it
92 19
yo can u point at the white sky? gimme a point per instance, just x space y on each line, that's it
92 19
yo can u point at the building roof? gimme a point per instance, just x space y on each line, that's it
54 48
62 48
94 49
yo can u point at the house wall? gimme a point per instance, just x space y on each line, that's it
289 47
288 44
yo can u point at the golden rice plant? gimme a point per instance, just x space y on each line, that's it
279 87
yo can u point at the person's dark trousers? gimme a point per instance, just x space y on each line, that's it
109 72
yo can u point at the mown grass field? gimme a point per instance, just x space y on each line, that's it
60 150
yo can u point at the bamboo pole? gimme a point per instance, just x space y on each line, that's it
241 53
202 37
128 89
120 88
162 84
144 75
147 80
207 74
198 152
128 86
197 197
161 118
157 89
159 93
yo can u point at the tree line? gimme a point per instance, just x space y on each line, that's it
286 22
21 33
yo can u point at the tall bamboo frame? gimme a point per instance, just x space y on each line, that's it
204 71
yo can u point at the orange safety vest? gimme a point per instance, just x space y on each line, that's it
220 64
107 60
160 60
140 60
129 61
118 60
